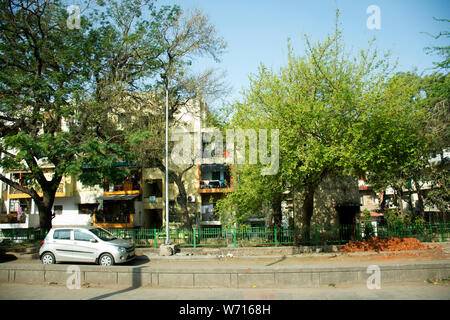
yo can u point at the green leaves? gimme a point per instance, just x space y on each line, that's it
337 112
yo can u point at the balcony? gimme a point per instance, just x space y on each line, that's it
215 178
65 188
113 221
129 185
19 215
12 217
152 195
208 215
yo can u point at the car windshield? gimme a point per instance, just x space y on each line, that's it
103 234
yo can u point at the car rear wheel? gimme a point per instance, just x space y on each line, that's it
106 260
48 258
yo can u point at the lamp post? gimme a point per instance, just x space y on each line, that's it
167 166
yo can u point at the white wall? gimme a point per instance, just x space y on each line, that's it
70 215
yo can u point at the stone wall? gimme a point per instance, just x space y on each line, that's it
333 192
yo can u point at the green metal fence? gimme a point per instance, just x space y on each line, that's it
255 236
424 232
22 237
271 236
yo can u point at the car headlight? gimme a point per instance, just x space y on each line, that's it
122 250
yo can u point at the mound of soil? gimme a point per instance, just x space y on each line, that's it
393 244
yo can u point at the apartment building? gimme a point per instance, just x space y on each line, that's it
138 200
20 211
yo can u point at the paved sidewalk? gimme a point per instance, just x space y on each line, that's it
145 257
404 291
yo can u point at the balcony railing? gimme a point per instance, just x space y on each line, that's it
14 191
113 221
214 184
12 218
210 217
122 187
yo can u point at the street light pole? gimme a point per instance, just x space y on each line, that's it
167 166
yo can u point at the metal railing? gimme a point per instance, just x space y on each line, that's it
272 236
253 236
21 237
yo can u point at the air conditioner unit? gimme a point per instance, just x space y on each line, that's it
191 198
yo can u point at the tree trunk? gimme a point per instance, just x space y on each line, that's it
307 211
383 207
45 217
183 203
178 179
399 201
420 205
276 211
45 205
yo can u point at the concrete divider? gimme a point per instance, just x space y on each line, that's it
246 251
223 277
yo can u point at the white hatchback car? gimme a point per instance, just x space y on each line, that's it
85 244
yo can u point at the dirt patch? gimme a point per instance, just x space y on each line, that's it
393 244
309 260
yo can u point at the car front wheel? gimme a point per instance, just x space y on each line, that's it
106 260
48 258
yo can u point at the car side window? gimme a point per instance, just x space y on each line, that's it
82 236
62 234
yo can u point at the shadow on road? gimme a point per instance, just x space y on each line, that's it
140 260
275 262
7 257
136 282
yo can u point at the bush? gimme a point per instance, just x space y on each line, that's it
392 217
369 231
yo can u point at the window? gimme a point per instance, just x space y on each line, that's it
215 175
62 234
58 209
103 234
87 208
155 188
81 236
14 205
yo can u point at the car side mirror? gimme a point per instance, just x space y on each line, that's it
92 240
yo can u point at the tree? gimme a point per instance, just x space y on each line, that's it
422 133
61 91
251 193
394 141
443 51
323 103
180 37
437 88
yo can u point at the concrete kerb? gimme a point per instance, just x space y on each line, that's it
253 252
224 277
245 251
241 252
199 254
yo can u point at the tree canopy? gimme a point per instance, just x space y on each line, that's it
68 92
332 108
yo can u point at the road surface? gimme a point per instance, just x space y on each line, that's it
404 291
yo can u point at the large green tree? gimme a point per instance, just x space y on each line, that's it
62 86
323 103
413 141
181 38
